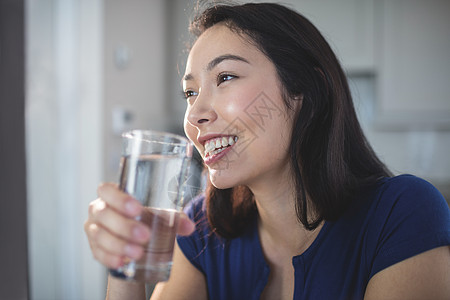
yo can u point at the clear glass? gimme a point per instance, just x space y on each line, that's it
153 169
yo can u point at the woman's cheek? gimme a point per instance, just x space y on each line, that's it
232 108
236 105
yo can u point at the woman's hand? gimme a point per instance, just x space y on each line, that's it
112 230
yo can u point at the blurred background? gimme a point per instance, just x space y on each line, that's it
77 73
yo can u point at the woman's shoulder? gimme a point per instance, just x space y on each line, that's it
410 190
406 216
407 208
408 199
400 195
407 181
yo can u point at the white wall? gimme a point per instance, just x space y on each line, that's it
64 145
135 71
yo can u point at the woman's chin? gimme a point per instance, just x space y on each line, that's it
220 180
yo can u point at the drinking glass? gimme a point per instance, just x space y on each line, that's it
153 169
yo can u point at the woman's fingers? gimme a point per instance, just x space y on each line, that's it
108 248
117 224
105 257
127 205
109 260
120 201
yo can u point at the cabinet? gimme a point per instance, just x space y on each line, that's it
348 25
413 63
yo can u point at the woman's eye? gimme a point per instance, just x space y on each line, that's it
224 77
187 94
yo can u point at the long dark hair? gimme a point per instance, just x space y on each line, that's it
329 154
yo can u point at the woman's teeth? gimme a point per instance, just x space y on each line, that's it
217 145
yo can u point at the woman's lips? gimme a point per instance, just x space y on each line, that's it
211 159
218 147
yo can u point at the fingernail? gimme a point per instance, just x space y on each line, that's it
132 207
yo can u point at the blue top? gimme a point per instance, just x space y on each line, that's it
399 218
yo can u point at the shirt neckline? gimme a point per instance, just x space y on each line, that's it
314 245
305 253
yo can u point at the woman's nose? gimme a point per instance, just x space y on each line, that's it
201 112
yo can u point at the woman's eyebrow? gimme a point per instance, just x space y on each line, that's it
188 77
217 61
221 58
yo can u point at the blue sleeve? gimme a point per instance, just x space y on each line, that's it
193 245
412 217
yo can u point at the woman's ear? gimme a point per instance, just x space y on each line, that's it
297 102
299 98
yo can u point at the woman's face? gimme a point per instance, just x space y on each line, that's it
235 113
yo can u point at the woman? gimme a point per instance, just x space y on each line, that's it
298 205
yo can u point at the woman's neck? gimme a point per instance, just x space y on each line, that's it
278 223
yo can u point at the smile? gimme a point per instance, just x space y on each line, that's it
216 145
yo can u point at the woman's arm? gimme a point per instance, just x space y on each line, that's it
120 289
424 276
185 282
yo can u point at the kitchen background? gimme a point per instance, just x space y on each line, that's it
95 68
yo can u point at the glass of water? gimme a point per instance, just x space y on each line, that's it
153 169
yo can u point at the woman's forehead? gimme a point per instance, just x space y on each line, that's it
219 40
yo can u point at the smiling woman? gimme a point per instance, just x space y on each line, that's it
298 206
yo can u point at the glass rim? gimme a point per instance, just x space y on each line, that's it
178 140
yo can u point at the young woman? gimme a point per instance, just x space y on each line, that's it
298 205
